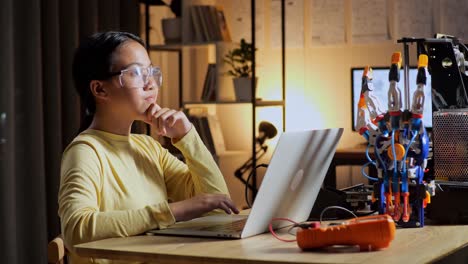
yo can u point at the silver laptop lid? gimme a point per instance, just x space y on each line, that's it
293 178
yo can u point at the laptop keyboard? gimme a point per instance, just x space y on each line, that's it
232 227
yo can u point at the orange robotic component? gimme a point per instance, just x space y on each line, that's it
368 232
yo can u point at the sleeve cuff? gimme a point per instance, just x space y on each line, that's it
162 214
187 142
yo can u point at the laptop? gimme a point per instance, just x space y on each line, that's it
289 189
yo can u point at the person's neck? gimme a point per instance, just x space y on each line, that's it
112 124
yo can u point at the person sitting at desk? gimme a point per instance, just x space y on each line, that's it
115 183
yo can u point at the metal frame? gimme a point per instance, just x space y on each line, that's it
178 49
283 86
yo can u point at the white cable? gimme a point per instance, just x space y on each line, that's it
335 207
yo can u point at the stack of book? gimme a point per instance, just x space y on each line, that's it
209 23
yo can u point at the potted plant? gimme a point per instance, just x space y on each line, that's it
240 60
171 27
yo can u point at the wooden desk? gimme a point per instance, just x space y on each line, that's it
412 245
349 156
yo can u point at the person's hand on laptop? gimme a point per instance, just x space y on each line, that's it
201 204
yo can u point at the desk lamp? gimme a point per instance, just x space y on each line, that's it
266 130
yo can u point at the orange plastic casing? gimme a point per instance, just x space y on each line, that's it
368 232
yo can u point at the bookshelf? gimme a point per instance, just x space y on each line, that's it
189 42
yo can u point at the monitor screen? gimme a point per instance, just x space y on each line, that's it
381 84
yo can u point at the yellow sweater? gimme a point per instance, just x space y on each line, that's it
116 186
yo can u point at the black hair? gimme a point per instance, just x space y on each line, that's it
93 61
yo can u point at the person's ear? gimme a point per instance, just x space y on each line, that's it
98 89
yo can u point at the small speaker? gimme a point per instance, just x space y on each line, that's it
450 131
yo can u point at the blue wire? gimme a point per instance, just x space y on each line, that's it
407 149
395 167
394 152
404 187
367 154
376 151
365 174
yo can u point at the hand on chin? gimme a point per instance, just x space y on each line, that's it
168 122
153 121
147 115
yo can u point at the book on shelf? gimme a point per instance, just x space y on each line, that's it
216 133
214 27
205 129
202 132
209 23
205 89
209 129
209 91
222 24
203 21
213 92
197 27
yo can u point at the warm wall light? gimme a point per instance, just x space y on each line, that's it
300 113
306 108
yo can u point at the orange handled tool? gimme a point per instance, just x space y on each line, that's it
368 232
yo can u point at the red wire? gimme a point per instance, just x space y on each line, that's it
270 226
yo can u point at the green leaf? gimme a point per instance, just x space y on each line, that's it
240 59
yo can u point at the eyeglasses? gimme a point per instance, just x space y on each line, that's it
137 76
